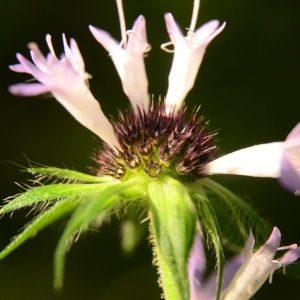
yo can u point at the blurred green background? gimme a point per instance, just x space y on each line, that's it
248 86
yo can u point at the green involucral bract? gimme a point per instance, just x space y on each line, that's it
173 223
173 206
82 217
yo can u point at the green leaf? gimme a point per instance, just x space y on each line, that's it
52 214
209 220
70 174
235 215
50 192
81 218
173 223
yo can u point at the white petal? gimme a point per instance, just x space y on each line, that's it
188 56
292 148
254 272
259 161
18 68
129 61
38 57
28 89
66 82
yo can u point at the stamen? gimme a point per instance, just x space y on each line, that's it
274 269
165 46
130 31
122 22
50 46
195 13
190 30
293 246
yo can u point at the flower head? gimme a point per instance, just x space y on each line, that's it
245 273
156 154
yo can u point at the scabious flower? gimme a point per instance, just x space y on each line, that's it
244 274
153 153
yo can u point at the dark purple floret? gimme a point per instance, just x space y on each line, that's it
158 143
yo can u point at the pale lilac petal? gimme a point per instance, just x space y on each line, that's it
31 68
74 56
268 250
66 80
76 53
38 58
254 272
189 52
292 148
129 61
294 135
206 32
231 267
289 178
208 291
18 68
289 257
137 40
259 161
248 248
28 89
196 267
290 164
174 31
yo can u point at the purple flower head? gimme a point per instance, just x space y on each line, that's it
244 274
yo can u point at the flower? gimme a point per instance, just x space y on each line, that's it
151 153
66 80
245 273
278 160
128 58
188 55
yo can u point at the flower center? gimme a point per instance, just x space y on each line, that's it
157 143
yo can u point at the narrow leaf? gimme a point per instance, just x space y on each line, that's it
50 192
52 214
211 224
70 174
83 215
239 215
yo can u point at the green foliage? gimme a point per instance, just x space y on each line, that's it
57 211
209 220
84 214
69 174
235 216
51 192
173 221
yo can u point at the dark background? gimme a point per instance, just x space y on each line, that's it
248 86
